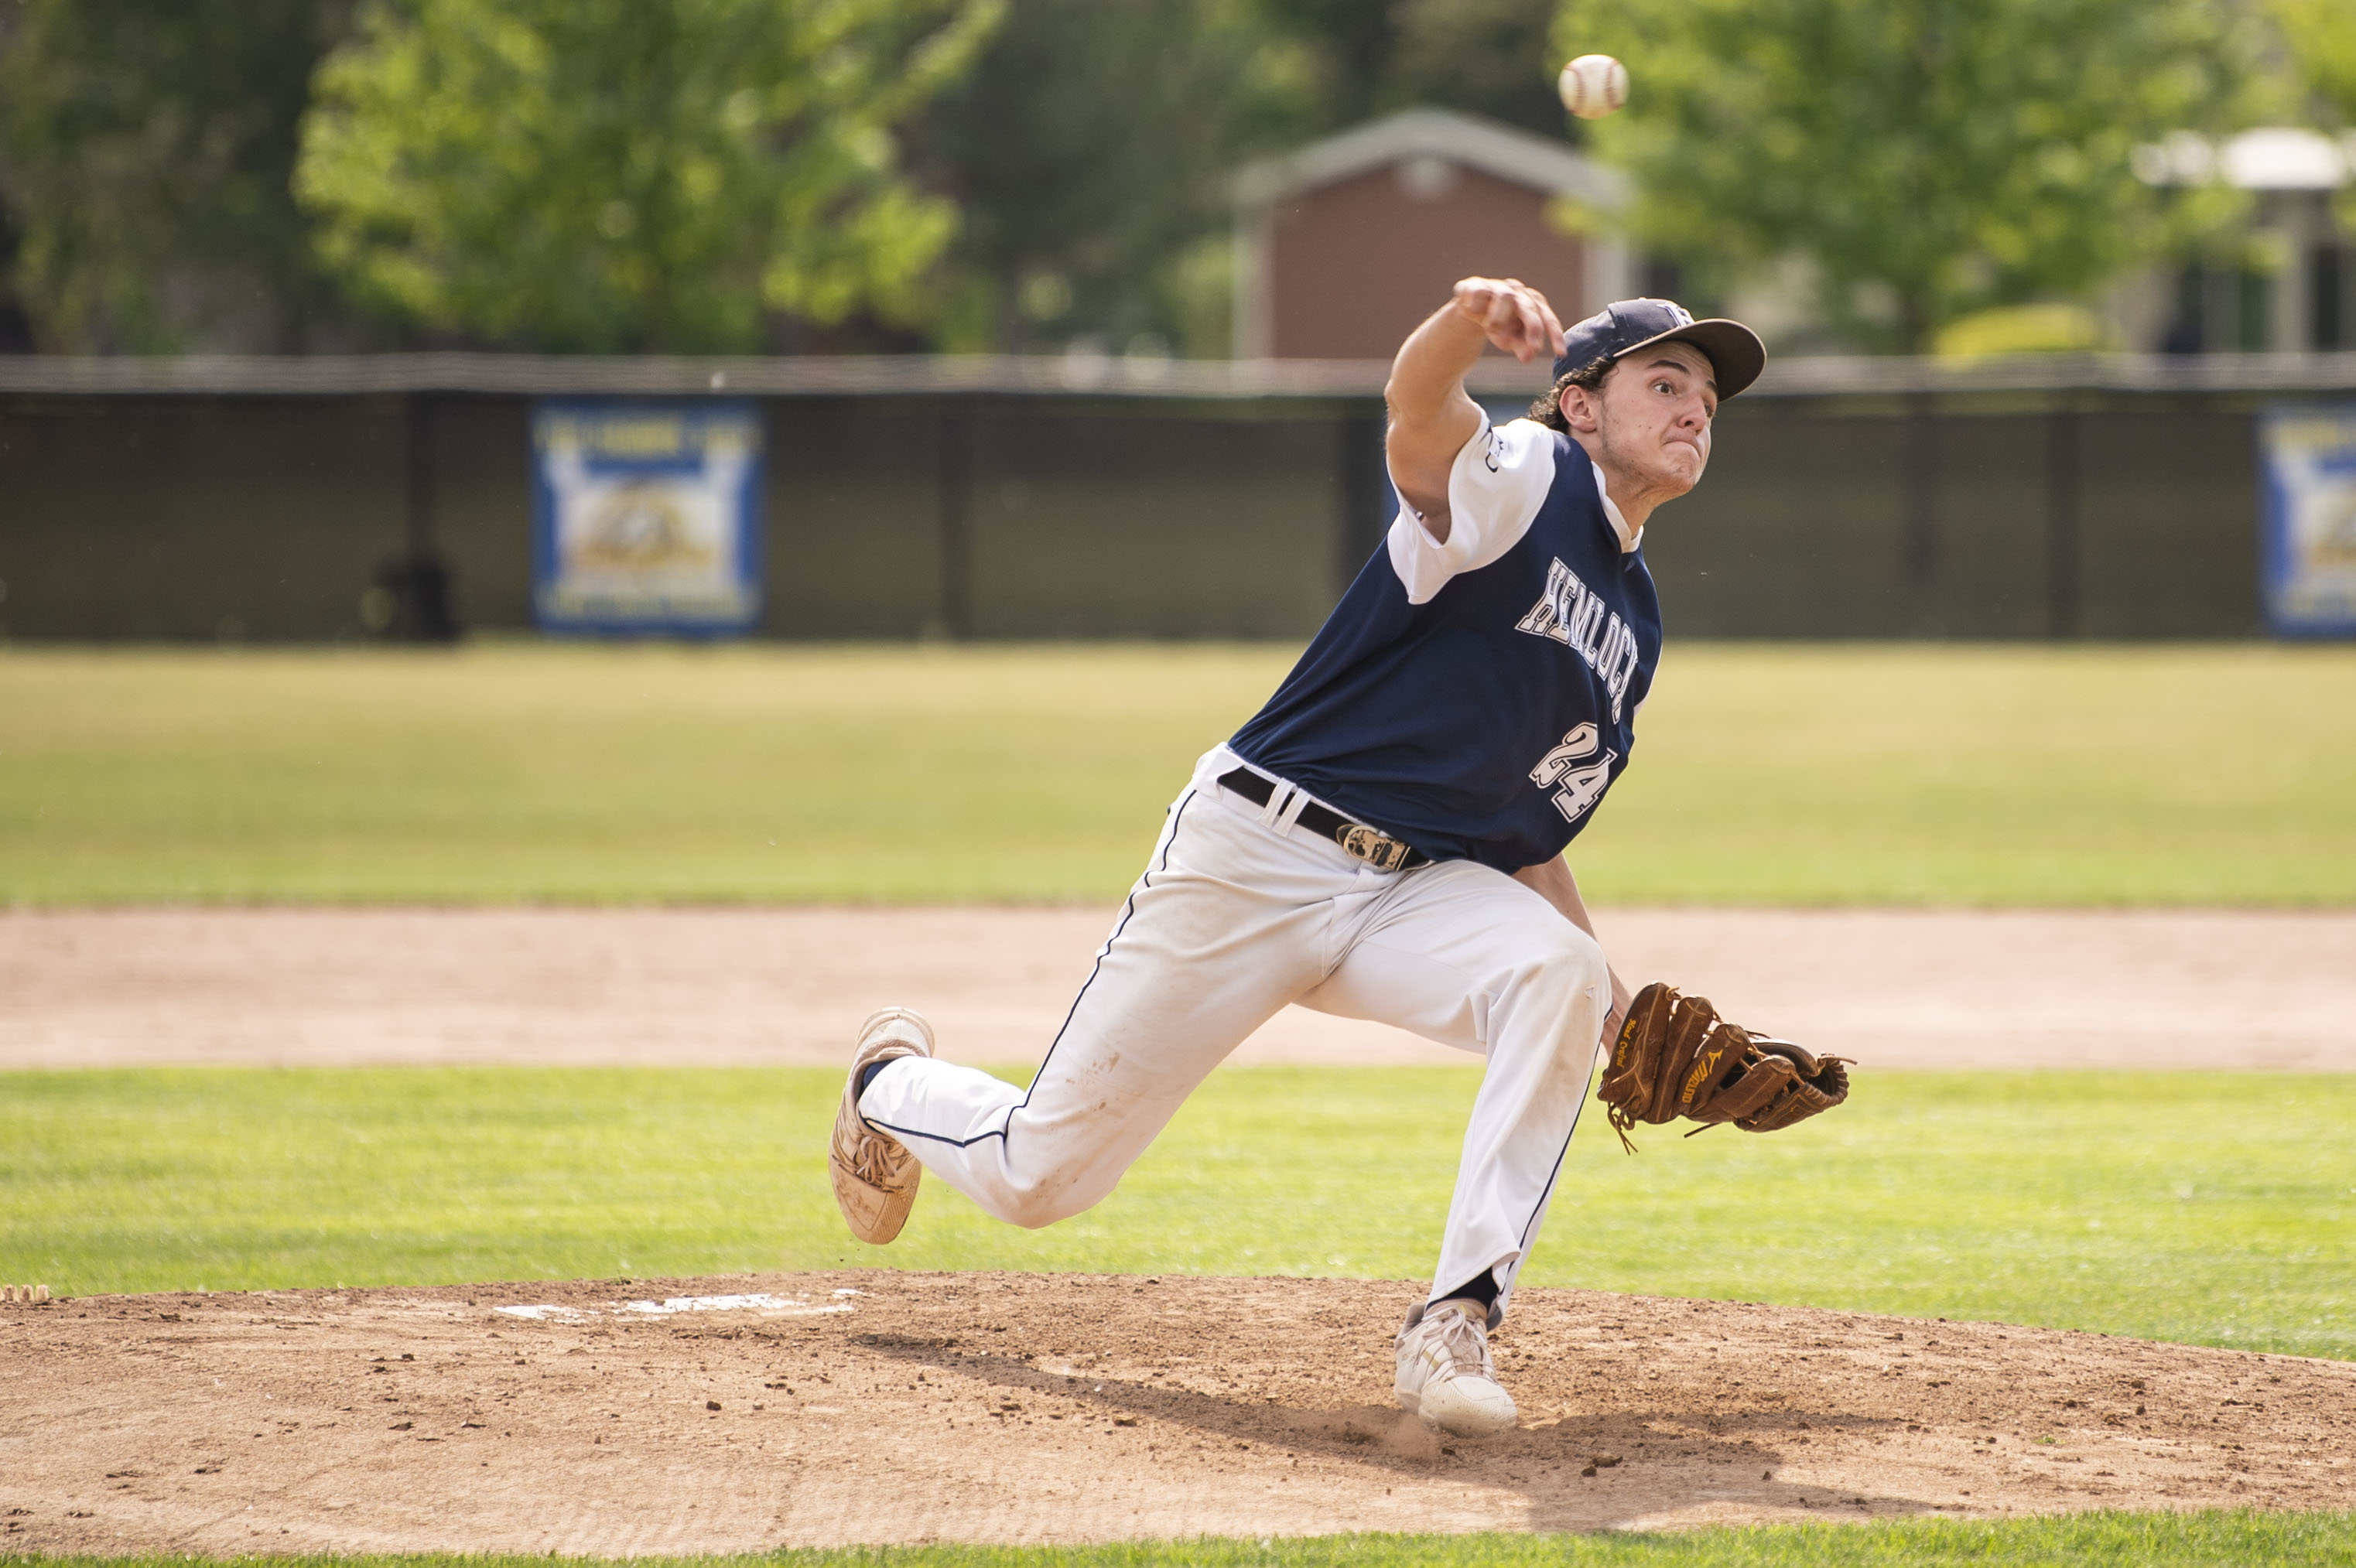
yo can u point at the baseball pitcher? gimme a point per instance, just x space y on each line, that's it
1385 839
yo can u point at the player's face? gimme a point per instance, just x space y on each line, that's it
1653 417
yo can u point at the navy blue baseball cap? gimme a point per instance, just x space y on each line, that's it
1618 330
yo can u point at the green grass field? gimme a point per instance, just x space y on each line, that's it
1909 773
2202 1207
2213 1540
2208 1209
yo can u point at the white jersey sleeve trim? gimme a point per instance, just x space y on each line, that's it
1495 486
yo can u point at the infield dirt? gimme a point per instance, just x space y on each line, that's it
1894 988
661 1416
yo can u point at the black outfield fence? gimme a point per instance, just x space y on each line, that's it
326 498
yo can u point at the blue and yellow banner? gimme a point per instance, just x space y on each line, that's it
647 517
2307 518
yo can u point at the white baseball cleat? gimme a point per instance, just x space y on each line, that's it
1445 1376
875 1175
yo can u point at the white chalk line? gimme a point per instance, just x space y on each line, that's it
762 1302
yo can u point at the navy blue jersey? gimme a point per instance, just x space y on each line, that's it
1476 699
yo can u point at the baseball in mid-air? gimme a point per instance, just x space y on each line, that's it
1593 86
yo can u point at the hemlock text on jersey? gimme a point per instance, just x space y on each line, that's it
1573 616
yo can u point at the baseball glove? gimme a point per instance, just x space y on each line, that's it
1676 1057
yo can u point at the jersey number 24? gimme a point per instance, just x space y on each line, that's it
1581 773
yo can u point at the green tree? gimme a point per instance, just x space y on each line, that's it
1490 57
144 152
1926 158
632 175
1352 44
2320 38
1090 149
2319 41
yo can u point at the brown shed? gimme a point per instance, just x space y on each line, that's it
1341 247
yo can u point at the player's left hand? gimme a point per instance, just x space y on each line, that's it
1511 314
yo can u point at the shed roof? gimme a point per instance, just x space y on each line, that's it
2270 157
1483 144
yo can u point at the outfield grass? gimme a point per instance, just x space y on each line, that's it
2210 1540
1912 774
2211 1208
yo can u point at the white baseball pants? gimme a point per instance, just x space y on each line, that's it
1238 913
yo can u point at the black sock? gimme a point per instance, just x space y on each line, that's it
867 1075
1481 1287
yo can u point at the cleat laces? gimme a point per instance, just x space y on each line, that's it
1459 1349
876 1160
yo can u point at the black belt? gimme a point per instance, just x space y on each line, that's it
1360 842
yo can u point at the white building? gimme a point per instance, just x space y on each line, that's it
2295 290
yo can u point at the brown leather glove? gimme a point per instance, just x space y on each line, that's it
1676 1057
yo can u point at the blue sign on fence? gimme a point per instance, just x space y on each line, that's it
2307 530
647 517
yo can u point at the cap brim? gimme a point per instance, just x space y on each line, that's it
1734 351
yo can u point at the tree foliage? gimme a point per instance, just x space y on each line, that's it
1486 57
2319 43
1490 57
146 148
1925 158
1090 150
631 174
691 174
2320 38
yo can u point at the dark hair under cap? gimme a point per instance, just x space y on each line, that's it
1547 409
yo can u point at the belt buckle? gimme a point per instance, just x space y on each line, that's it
1373 845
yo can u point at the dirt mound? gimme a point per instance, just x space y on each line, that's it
732 1415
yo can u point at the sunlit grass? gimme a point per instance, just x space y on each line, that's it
1764 774
2211 1209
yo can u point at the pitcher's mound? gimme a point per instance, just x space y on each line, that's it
732 1414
